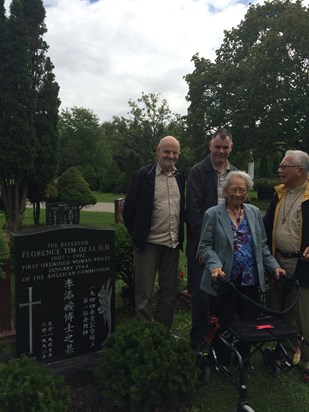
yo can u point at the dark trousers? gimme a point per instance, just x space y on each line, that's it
199 298
227 308
152 260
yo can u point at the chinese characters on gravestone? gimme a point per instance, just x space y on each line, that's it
62 214
65 291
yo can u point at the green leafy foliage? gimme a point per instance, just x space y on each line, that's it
133 140
182 280
90 177
83 144
262 183
257 86
28 386
124 262
73 188
143 366
29 109
4 252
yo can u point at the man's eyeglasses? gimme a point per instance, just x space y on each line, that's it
283 167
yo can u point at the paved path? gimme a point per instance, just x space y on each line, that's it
100 207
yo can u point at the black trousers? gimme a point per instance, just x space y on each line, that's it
199 298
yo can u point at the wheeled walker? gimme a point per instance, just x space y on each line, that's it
266 335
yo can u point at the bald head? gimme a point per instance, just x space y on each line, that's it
168 152
169 140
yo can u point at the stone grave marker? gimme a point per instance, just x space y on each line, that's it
62 214
65 291
119 205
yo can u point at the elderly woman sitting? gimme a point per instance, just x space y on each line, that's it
233 247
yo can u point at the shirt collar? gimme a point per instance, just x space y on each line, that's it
227 169
159 170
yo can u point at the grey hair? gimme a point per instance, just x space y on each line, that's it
237 173
300 157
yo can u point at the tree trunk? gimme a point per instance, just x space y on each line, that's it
36 213
14 203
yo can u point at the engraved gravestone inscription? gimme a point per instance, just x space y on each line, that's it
62 214
65 291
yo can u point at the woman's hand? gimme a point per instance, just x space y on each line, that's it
278 272
217 272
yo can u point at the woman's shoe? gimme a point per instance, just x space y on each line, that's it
296 357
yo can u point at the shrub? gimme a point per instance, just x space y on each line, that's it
125 263
182 280
4 252
263 183
91 177
73 188
142 366
29 386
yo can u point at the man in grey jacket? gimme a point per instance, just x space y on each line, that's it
204 190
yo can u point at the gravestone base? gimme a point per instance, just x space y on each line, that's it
7 338
78 371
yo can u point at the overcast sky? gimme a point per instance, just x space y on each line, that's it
106 52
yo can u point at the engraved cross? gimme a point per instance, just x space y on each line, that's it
30 303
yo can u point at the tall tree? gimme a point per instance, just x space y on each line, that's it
46 105
29 134
258 84
82 141
46 127
4 61
18 143
135 138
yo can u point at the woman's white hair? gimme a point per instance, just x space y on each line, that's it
238 173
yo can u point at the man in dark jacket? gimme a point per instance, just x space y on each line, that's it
154 216
204 190
287 227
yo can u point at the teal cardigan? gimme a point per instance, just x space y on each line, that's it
217 245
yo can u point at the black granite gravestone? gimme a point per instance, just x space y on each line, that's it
65 291
62 214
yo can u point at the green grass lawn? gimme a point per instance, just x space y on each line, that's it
110 197
101 219
107 197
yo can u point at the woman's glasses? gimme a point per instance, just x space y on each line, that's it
240 190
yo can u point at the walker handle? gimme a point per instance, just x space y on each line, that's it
266 310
